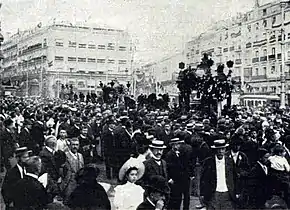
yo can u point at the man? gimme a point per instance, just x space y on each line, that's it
180 173
108 140
62 143
14 175
257 183
8 143
25 137
30 193
86 145
75 130
157 190
217 179
155 165
37 133
73 163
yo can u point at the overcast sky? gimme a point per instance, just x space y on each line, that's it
160 26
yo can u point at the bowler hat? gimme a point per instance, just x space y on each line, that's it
189 126
220 143
198 127
158 183
20 151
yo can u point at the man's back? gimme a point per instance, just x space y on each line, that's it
30 194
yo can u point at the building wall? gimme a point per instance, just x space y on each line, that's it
78 55
252 41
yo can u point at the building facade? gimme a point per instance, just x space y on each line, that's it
42 59
253 41
164 73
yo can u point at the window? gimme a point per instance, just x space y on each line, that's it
249 28
257 54
92 46
71 69
122 61
101 47
82 45
122 48
71 59
273 51
59 43
81 84
44 43
111 46
101 60
273 89
81 59
273 69
264 70
273 20
111 61
265 23
72 44
264 12
257 71
58 58
264 89
257 26
265 52
91 60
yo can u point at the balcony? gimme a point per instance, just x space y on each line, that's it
259 77
238 61
279 56
264 58
255 60
272 57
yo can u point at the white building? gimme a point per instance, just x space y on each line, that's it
46 57
253 42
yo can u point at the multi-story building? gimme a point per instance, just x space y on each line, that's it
253 41
164 73
42 59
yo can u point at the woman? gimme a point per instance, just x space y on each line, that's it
129 195
89 194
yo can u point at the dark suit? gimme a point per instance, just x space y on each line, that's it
108 142
25 138
30 194
146 205
256 191
123 146
208 180
48 163
180 169
152 168
37 133
7 144
74 132
8 187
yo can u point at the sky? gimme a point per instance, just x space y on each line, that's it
159 27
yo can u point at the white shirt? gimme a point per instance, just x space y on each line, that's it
279 163
263 167
221 185
75 156
49 149
21 170
128 196
235 156
32 175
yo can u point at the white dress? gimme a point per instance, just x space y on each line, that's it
128 196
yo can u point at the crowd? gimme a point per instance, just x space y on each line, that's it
49 150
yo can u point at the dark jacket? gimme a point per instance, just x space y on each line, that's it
48 163
108 143
30 194
146 205
37 133
92 196
123 146
208 179
8 187
25 138
7 143
152 168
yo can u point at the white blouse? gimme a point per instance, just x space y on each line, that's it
128 196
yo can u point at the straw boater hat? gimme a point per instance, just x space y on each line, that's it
132 163
157 144
220 143
176 141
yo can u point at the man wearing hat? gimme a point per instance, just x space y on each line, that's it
37 133
217 179
155 165
25 138
157 190
14 175
180 172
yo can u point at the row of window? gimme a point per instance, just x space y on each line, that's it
89 60
111 46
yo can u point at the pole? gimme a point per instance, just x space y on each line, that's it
107 71
58 84
27 83
90 90
282 95
40 84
